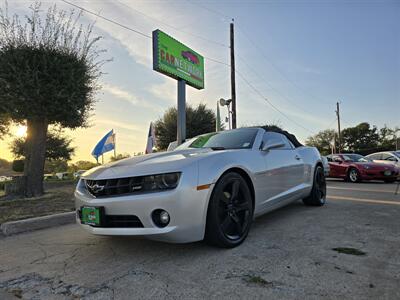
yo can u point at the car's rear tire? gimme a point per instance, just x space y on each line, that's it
353 175
318 193
230 212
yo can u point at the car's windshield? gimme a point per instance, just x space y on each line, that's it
233 139
355 158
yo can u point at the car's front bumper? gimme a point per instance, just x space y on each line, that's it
368 174
186 206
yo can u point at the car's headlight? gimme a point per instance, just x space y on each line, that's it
161 181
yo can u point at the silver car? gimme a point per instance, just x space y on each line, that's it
388 157
211 187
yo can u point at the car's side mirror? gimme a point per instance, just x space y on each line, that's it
272 146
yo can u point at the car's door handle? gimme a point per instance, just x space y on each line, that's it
297 157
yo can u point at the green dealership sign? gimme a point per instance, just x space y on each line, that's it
176 60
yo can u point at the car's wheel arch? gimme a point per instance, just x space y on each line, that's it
355 168
245 176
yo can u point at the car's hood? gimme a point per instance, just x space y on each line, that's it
155 163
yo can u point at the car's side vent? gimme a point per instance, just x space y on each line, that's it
114 187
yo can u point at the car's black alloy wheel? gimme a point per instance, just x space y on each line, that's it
318 192
230 212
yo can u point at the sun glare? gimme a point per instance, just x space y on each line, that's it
21 131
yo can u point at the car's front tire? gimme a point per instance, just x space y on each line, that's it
318 193
230 212
353 175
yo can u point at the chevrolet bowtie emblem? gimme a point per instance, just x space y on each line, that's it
96 187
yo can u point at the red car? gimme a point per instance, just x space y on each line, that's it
190 57
355 168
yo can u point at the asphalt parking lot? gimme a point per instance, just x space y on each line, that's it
288 255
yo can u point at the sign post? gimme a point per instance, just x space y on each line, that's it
181 117
176 60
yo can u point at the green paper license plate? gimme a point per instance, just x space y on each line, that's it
90 215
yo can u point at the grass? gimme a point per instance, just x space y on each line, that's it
257 280
350 251
55 200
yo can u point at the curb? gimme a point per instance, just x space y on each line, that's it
14 227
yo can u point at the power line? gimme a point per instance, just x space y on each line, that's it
225 17
259 49
129 28
277 68
107 19
270 103
173 27
211 59
269 85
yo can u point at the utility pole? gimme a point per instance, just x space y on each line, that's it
233 82
338 124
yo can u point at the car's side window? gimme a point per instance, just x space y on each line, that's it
336 158
375 156
271 138
391 158
386 156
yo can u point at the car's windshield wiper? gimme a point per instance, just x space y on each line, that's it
217 148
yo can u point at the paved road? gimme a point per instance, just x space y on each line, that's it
288 255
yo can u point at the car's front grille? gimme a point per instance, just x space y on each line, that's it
116 221
113 187
122 221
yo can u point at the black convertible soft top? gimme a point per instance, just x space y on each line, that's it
291 137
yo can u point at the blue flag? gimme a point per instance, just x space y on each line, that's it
107 143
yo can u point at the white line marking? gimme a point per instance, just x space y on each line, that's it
362 190
364 200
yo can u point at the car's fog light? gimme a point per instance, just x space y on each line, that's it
160 217
164 217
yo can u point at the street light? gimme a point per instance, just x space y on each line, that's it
227 103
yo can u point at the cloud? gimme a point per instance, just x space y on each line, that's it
120 125
120 93
166 91
127 96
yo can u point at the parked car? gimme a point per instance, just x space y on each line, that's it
325 163
62 175
356 168
5 178
48 176
388 157
78 173
209 187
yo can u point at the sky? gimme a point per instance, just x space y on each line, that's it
300 56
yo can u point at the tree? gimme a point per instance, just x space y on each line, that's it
82 165
199 120
58 146
49 70
4 125
18 165
55 166
119 156
387 138
323 141
361 139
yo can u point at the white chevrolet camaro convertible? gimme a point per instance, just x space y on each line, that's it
211 187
